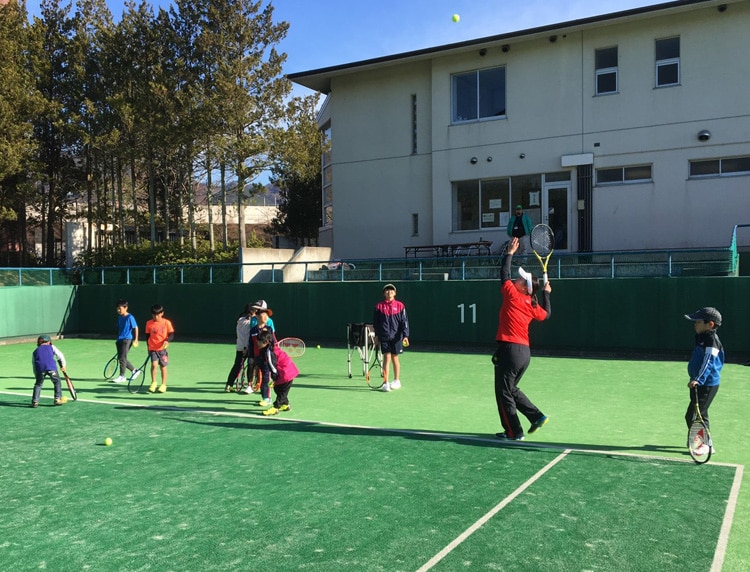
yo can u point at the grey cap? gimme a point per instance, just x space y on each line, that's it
44 338
707 314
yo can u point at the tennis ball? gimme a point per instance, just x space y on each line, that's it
108 441
318 346
405 343
456 17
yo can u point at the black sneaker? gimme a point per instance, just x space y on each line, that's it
504 437
538 424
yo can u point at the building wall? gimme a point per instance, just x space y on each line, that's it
552 113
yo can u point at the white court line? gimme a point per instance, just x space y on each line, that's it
479 523
726 525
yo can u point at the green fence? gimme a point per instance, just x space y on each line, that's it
622 315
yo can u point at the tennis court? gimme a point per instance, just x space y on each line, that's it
353 479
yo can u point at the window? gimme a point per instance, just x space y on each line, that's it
478 95
479 204
606 71
667 62
414 124
327 167
415 224
720 167
620 175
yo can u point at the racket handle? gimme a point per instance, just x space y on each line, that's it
544 279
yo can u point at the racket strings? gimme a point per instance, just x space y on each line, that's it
541 241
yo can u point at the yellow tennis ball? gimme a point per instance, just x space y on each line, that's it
108 441
456 17
318 346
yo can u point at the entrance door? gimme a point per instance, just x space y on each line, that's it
556 212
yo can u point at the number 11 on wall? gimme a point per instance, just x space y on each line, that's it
473 308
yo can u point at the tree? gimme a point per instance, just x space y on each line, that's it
19 101
298 153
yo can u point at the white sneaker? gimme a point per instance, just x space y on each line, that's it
396 384
386 387
248 390
135 372
119 379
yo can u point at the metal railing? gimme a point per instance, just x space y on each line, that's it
616 264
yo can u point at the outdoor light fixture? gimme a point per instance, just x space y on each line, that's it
473 160
704 135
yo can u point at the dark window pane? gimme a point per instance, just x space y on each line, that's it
735 165
640 173
466 216
606 58
492 92
698 168
465 96
609 175
606 83
668 74
667 49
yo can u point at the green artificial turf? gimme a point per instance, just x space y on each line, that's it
353 479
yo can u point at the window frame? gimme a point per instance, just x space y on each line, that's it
478 90
673 60
720 171
624 179
600 72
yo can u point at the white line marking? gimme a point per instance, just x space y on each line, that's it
726 525
479 523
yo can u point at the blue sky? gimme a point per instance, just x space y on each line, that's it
324 33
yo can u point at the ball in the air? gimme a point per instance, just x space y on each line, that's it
318 346
456 17
108 441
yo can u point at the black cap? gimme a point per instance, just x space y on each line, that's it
707 314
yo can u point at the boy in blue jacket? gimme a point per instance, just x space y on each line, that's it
704 367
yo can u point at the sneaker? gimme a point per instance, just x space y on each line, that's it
135 372
34 404
386 387
152 387
285 407
271 411
248 390
228 389
119 379
504 437
265 403
396 384
538 424
162 388
61 401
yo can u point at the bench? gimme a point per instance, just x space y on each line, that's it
445 250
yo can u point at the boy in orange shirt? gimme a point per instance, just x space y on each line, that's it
160 332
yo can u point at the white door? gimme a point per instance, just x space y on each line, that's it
556 212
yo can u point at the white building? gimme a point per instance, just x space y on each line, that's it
624 131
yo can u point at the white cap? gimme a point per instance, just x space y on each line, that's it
528 277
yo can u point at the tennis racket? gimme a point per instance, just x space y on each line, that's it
294 347
136 379
375 382
71 387
699 437
241 381
110 370
542 243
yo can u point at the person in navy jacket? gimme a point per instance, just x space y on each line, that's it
44 360
391 326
